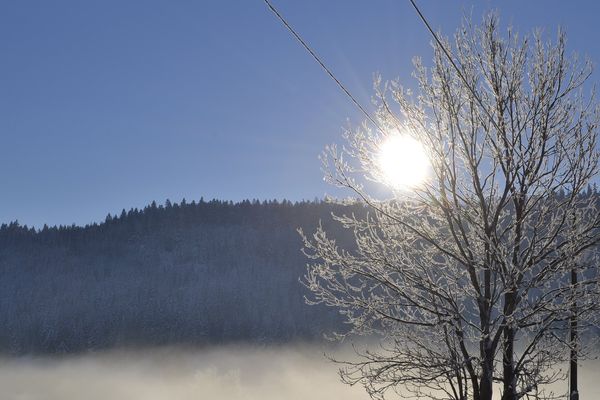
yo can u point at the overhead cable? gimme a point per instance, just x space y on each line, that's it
321 63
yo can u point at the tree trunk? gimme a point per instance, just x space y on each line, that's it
485 384
487 370
509 377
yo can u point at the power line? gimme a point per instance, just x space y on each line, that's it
458 71
321 63
347 92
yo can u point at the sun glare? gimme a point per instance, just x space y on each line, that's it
403 161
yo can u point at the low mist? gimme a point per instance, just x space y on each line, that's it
231 372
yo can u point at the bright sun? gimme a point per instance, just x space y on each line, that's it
403 161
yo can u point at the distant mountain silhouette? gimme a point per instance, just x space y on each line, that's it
187 273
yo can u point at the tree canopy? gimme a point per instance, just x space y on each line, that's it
466 276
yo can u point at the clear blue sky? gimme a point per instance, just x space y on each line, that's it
107 105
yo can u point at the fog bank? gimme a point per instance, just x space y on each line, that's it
232 372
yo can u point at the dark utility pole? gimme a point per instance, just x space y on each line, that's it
573 392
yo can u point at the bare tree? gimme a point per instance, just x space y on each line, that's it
467 278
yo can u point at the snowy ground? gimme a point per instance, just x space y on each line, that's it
234 373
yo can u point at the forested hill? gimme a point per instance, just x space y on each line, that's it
184 273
